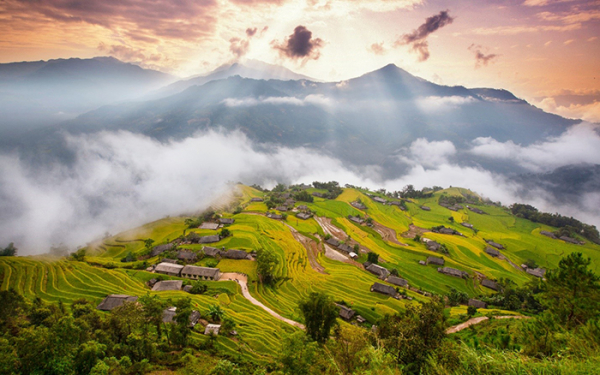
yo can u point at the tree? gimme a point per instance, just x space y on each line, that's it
148 243
225 232
266 261
79 255
456 297
180 330
348 348
198 287
573 291
153 309
471 310
9 251
451 219
216 312
320 313
356 248
298 354
414 334
304 196
373 257
279 188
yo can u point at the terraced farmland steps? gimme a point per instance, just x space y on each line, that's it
312 249
242 280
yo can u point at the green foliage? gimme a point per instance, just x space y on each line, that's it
320 313
373 257
298 354
9 251
333 188
216 313
279 188
148 242
79 255
304 196
409 192
225 232
471 310
198 287
456 297
266 264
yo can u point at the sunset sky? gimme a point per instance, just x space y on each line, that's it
546 51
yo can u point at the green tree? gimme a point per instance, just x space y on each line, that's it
148 243
349 348
304 196
373 257
298 354
266 262
471 310
180 330
9 251
88 354
79 255
198 287
573 291
320 313
152 308
215 312
225 367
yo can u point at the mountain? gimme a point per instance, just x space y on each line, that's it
249 69
368 120
34 94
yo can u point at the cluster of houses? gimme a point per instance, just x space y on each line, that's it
564 238
347 249
189 272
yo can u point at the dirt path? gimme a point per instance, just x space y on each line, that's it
413 231
243 281
312 249
338 234
502 257
473 321
388 234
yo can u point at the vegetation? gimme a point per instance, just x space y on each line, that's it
320 313
9 251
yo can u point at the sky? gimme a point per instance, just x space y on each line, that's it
545 51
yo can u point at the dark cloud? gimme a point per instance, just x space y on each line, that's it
239 47
418 38
377 48
300 45
481 59
183 19
250 32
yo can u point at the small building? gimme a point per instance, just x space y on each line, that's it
470 226
452 272
476 210
303 216
395 203
432 245
346 313
226 221
235 254
169 316
169 269
490 284
212 329
548 234
165 285
256 199
113 301
156 250
397 281
447 231
274 216
290 202
353 255
477 303
201 273
332 242
537 272
492 252
210 239
345 248
496 245
358 205
211 251
378 271
425 208
380 200
355 219
570 240
211 226
360 319
422 262
187 288
169 260
281 208
187 256
435 260
303 207
383 289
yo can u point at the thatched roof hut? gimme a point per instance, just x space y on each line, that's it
166 285
397 281
477 303
383 289
435 260
169 315
201 273
168 269
113 301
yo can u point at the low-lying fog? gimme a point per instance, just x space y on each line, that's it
121 180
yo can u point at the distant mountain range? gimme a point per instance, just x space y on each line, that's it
39 93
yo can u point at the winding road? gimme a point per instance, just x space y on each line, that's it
473 321
243 281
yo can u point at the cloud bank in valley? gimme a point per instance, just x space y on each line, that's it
121 180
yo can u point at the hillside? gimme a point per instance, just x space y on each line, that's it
306 262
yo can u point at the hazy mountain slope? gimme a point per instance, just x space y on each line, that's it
45 92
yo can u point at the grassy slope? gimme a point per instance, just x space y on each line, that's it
54 280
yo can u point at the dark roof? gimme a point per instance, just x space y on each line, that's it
489 284
476 210
356 219
169 315
115 300
211 226
492 252
477 303
380 200
435 260
303 216
210 239
200 271
160 249
165 285
570 240
384 289
187 255
346 312
345 248
537 272
548 234
281 208
317 194
452 272
431 244
226 221
275 216
256 199
378 270
358 205
425 208
447 231
303 207
333 242
397 281
496 245
467 225
211 251
234 254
